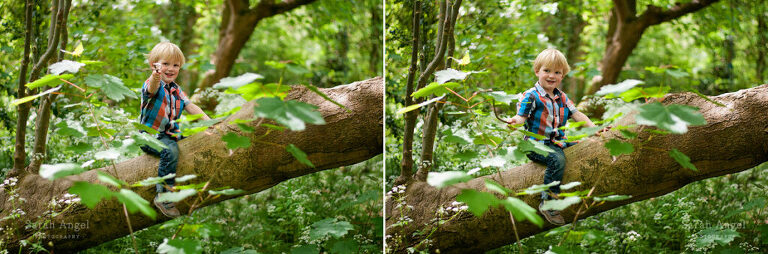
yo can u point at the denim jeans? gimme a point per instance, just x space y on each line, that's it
555 163
169 157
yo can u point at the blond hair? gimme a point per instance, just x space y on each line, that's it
166 51
552 58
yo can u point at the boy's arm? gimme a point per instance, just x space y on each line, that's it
581 117
154 80
194 109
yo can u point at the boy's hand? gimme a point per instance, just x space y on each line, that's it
156 73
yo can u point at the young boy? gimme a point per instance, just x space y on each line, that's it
545 108
161 104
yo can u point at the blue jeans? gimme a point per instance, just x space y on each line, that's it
169 158
555 163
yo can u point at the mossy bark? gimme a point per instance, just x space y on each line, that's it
734 139
349 136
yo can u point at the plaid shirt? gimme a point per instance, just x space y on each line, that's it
546 114
160 111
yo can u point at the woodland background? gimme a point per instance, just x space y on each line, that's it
319 43
714 48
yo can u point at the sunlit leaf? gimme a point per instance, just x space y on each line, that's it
56 171
503 97
153 180
237 82
538 188
185 178
682 159
642 92
143 138
495 161
110 85
534 146
449 74
497 187
225 192
107 178
416 106
299 155
175 196
570 185
292 114
531 134
560 204
65 66
613 198
618 88
32 97
447 178
145 128
109 154
49 80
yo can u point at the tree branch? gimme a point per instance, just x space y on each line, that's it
406 165
20 155
654 15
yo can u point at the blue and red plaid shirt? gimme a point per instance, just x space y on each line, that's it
545 114
160 111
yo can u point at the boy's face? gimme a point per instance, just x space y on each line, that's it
169 70
549 77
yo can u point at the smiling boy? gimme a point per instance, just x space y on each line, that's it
544 109
162 102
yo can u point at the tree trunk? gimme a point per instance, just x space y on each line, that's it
237 24
736 140
626 29
348 137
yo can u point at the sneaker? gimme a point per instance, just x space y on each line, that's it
553 216
167 208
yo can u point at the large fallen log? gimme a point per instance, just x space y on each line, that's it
734 139
348 137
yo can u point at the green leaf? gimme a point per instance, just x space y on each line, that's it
16 102
677 73
317 91
145 128
641 92
538 188
486 139
494 186
459 137
617 147
329 227
292 114
716 235
49 80
245 128
90 194
65 65
628 134
618 88
306 249
234 141
153 180
560 204
81 147
64 129
299 155
180 246
175 196
56 171
143 138
111 86
613 198
534 146
434 89
107 178
466 155
478 201
416 106
673 118
531 134
133 202
682 159
228 192
447 178
522 211
198 126
753 204
237 82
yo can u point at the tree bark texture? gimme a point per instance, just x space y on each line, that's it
733 140
626 29
348 137
237 24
